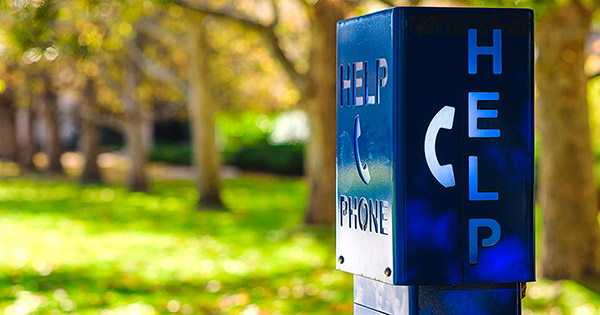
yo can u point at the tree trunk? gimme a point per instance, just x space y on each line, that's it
8 140
571 234
53 146
137 180
89 143
321 108
25 141
201 111
147 131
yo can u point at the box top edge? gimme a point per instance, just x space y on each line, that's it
414 8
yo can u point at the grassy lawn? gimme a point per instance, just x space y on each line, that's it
103 250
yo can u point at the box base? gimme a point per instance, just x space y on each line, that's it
374 297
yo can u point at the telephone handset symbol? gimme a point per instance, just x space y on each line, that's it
363 169
443 173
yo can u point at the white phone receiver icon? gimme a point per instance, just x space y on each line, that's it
363 169
443 173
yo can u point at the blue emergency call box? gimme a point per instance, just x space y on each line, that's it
435 146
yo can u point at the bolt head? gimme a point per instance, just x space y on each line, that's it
388 272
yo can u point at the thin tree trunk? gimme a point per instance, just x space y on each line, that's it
89 142
137 180
53 146
25 141
147 131
201 111
8 140
321 106
567 194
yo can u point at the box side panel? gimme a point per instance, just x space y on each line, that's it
502 164
433 151
473 222
364 163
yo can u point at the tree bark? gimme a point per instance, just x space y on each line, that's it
147 131
25 141
137 180
201 111
53 146
89 143
8 140
321 108
567 194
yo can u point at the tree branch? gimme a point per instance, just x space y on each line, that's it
152 29
593 76
388 3
595 5
583 8
106 118
153 70
275 9
299 79
267 31
391 3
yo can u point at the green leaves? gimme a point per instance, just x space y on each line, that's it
32 26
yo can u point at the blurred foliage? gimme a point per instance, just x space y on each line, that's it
69 41
66 42
281 158
243 64
171 154
243 129
245 143
101 249
285 159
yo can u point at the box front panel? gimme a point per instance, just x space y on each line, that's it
470 146
364 226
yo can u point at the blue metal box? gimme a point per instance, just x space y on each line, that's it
435 146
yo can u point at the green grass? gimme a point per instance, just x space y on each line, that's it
68 249
103 250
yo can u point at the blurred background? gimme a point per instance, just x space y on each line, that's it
178 157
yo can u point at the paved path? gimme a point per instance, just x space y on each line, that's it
114 167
